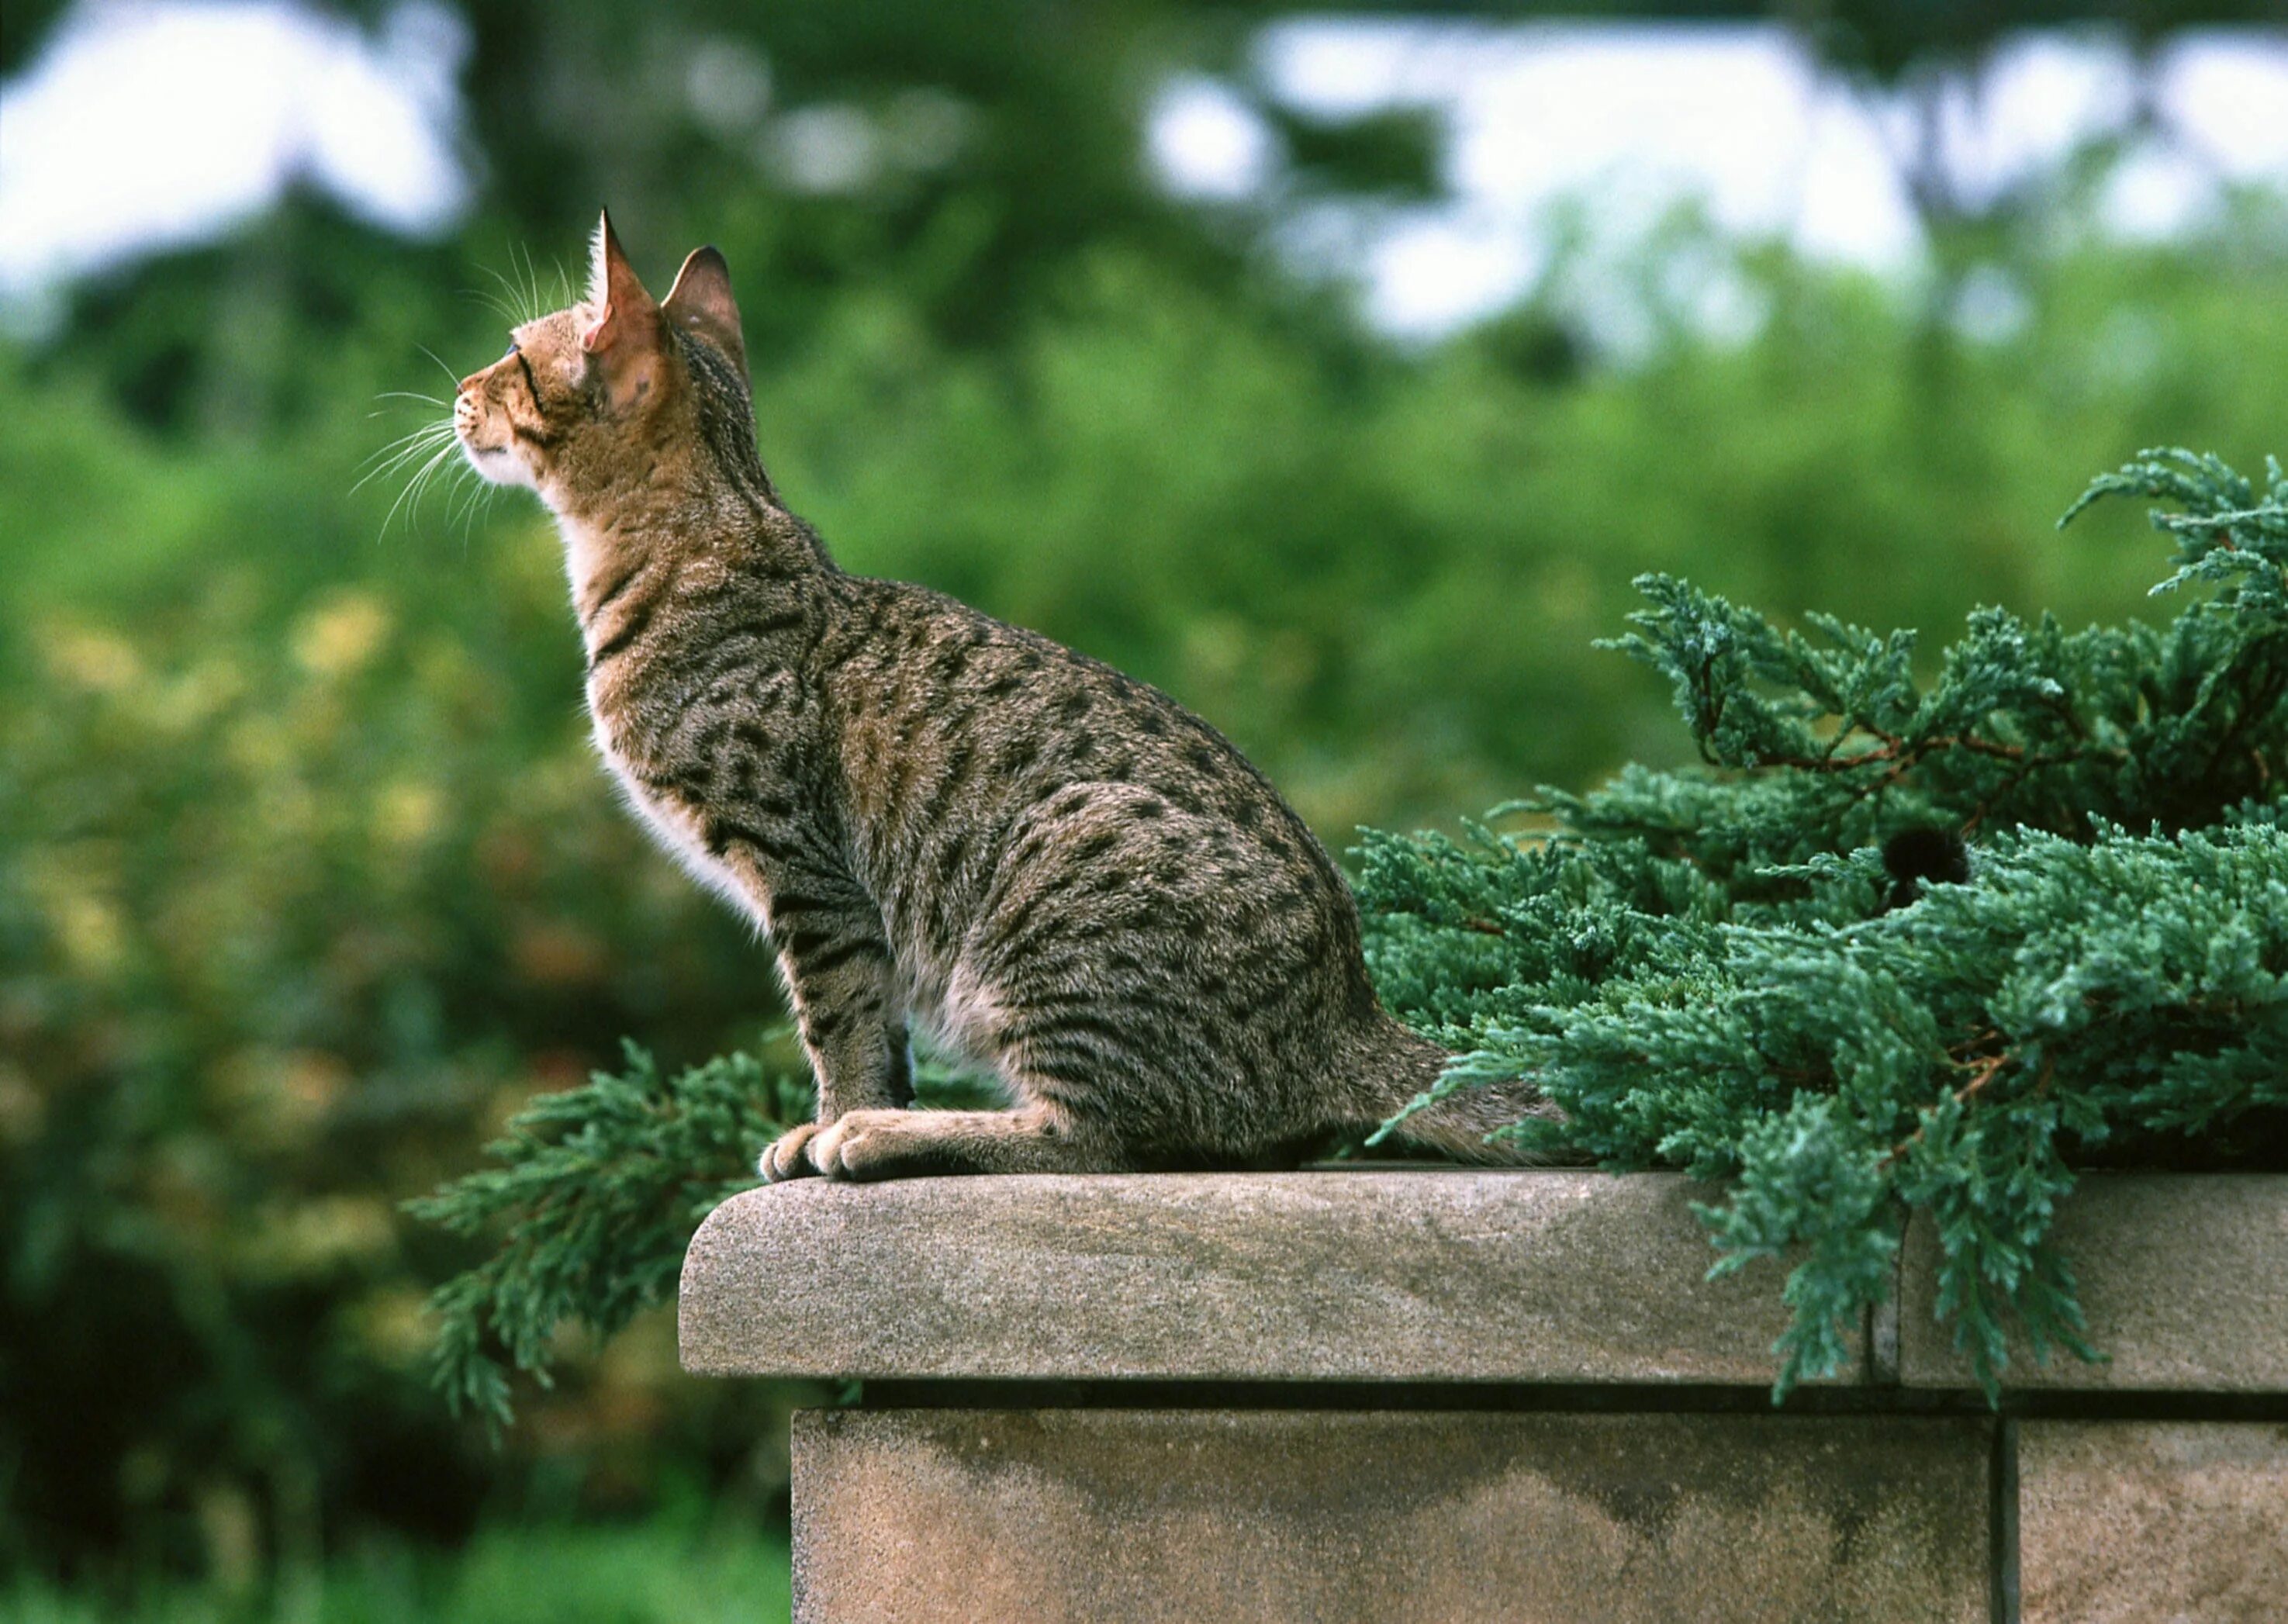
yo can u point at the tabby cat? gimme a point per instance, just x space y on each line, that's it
936 817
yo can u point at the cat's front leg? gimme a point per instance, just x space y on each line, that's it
787 1156
1035 1138
839 976
790 1155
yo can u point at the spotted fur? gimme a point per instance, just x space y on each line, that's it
938 818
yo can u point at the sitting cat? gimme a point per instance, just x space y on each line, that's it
936 817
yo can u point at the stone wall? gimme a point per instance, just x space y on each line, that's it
1484 1395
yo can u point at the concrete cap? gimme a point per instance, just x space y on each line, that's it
1427 1275
2183 1277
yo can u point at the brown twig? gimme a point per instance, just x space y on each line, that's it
1983 1073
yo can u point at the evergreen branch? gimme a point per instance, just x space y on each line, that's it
596 1193
1716 970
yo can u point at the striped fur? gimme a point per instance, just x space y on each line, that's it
938 818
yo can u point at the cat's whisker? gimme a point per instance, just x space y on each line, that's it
394 466
445 459
511 303
428 431
478 494
403 495
401 450
396 462
422 490
441 366
434 425
457 491
525 295
551 289
415 486
387 395
492 302
531 279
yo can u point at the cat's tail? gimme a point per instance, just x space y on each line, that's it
1401 1067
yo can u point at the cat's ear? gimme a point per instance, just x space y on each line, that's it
701 303
620 326
619 308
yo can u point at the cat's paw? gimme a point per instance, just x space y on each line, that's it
860 1145
788 1156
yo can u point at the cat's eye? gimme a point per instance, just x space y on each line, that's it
531 384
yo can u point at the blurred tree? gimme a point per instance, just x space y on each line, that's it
962 154
1891 40
24 26
962 158
1935 60
966 160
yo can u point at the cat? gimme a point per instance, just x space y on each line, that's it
934 816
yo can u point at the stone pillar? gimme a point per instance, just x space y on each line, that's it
1475 1395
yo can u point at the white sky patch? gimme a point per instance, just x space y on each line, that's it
2156 195
2043 96
1205 142
1601 129
148 123
2229 94
829 148
1654 115
1632 119
1447 269
1347 68
1849 206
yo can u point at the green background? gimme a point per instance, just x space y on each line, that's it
308 875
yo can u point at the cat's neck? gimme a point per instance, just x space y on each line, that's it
660 535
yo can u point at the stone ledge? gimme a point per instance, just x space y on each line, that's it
1154 1516
1362 1275
2184 1278
2131 1521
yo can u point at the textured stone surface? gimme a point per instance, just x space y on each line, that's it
1101 1515
2144 1520
2184 1279
1362 1275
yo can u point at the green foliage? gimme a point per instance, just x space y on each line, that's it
593 1203
1710 969
667 1570
306 886
309 879
595 1195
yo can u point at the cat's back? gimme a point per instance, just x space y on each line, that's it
1017 805
944 707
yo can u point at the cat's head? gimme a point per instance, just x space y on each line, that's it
617 392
